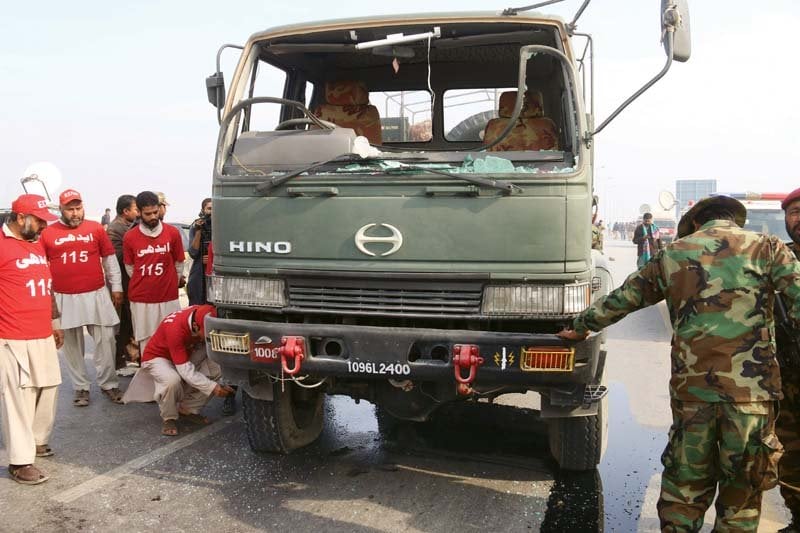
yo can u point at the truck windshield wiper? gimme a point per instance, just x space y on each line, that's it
275 181
503 185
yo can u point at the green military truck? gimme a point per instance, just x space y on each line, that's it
402 214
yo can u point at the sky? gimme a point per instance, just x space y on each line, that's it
114 94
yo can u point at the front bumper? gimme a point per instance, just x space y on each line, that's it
380 353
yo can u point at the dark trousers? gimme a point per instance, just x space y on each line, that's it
124 335
789 434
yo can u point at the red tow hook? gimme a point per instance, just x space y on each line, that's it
466 355
292 348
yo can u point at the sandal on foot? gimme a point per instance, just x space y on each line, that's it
194 418
43 450
169 428
115 395
81 398
27 474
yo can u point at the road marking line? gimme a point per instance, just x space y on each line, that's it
662 308
114 474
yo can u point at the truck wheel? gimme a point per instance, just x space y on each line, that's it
578 443
291 420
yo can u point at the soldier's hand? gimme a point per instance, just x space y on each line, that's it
58 336
572 335
116 299
222 391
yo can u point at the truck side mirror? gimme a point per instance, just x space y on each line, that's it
215 87
675 19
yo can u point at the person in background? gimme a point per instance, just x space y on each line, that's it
105 220
647 240
153 256
788 425
125 345
30 334
199 239
719 283
162 206
176 372
162 212
81 259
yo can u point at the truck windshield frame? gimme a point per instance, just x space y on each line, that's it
304 85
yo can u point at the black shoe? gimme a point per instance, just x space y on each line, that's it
229 405
791 528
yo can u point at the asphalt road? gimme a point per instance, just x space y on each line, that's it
491 471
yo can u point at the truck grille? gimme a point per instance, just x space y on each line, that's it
378 297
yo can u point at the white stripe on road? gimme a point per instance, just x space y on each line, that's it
98 482
662 308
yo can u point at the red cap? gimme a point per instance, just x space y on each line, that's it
33 204
794 195
70 195
200 315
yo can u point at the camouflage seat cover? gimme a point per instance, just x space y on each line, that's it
347 106
533 130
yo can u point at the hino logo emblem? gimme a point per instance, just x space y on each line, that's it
362 239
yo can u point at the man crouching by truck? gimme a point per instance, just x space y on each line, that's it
175 371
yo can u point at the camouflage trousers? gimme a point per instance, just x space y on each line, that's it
730 447
788 430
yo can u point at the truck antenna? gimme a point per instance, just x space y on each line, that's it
510 11
574 24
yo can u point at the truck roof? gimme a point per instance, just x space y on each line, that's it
408 19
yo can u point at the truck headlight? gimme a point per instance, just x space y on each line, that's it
547 301
260 292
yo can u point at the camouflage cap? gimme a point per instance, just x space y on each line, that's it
162 199
685 226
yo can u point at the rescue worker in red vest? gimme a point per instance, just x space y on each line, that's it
175 371
82 259
30 334
153 256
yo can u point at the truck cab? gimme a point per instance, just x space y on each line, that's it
403 215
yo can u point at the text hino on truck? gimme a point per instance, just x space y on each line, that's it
402 214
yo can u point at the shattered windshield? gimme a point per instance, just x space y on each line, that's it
451 100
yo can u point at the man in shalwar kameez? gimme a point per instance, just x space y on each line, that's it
82 259
175 372
30 334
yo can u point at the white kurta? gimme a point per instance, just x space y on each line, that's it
86 309
146 317
29 379
189 385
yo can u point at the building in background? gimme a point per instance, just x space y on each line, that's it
688 191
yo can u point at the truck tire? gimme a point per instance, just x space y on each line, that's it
291 420
578 443
471 128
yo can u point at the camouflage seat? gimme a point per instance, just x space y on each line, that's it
533 130
347 105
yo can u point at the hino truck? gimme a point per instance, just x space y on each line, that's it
402 214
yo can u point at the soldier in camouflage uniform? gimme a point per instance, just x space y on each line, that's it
788 425
718 281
